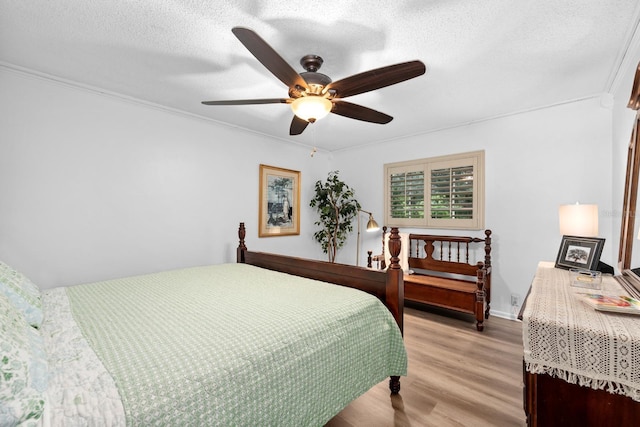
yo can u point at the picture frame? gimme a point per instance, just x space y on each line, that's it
579 252
279 210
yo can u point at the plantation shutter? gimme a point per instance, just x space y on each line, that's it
452 192
439 192
406 195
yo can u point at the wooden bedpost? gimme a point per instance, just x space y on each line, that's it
480 296
395 281
395 292
241 246
383 262
487 266
487 248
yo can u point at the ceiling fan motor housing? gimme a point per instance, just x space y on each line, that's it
316 81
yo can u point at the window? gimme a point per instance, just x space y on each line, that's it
438 192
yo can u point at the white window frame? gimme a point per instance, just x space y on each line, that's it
474 159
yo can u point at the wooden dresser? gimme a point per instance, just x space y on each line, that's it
581 367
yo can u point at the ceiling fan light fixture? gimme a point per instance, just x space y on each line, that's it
311 107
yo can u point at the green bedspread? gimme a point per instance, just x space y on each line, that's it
236 345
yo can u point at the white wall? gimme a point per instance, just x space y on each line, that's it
94 187
534 163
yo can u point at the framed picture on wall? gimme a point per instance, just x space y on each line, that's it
579 252
279 211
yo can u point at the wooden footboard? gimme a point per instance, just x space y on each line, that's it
387 285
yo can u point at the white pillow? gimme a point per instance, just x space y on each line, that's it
23 368
22 293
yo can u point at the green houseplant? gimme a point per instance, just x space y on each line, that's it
334 200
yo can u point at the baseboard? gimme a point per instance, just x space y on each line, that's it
506 315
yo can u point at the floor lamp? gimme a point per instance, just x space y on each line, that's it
372 225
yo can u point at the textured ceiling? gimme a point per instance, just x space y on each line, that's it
484 58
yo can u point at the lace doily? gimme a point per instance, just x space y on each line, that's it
565 337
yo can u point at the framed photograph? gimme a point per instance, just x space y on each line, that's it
579 252
279 213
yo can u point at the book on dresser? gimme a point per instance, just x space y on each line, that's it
616 304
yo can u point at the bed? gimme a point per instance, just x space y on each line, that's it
269 341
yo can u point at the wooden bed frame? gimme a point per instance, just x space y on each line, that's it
387 285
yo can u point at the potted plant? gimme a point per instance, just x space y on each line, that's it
335 202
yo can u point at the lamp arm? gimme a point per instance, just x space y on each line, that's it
372 225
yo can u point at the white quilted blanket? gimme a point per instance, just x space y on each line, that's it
81 392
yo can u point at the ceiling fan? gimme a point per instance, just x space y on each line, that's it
313 95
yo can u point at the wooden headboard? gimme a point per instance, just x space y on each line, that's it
453 253
421 256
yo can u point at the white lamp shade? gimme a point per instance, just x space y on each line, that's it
311 108
579 220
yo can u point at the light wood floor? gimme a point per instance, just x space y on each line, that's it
457 376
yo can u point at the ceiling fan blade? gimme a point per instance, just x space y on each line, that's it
358 112
376 79
269 57
250 101
298 126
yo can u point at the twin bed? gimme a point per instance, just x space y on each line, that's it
269 340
